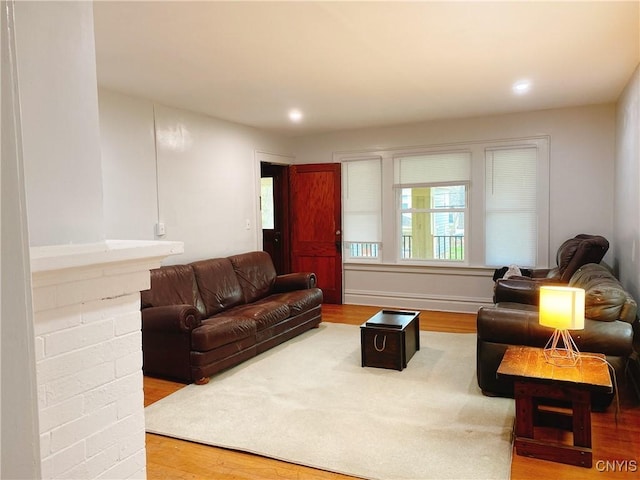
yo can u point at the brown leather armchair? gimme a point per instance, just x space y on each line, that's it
572 254
610 322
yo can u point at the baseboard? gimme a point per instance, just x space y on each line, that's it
458 304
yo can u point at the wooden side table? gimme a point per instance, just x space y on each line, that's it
535 381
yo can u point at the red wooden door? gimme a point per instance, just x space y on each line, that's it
316 237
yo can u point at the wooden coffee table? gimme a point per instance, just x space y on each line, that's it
535 381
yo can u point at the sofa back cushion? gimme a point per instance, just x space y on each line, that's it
218 284
578 251
172 285
256 274
605 298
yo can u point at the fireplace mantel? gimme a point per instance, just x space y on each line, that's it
58 257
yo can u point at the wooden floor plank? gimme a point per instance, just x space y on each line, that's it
616 444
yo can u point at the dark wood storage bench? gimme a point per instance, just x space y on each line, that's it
390 338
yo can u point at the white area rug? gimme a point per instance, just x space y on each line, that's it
308 401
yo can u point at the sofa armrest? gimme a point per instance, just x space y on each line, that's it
524 290
517 324
511 324
294 281
170 318
542 273
517 290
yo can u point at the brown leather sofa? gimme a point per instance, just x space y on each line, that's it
201 318
610 314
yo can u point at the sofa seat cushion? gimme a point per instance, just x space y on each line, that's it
218 285
299 300
264 313
221 330
245 348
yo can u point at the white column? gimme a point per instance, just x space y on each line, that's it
88 356
60 126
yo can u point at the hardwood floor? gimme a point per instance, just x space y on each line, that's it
616 444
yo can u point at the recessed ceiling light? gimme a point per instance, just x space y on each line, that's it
521 87
295 115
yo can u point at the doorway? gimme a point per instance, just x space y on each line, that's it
274 206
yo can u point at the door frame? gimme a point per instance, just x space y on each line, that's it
279 244
261 156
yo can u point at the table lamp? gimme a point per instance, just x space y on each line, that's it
561 308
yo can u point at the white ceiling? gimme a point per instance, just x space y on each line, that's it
361 64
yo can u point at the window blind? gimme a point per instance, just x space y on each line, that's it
362 200
433 168
511 206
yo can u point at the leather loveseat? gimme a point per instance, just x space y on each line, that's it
610 313
201 318
571 255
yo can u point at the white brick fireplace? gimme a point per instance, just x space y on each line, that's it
88 356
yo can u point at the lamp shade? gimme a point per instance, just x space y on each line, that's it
562 307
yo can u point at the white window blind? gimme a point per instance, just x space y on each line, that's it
433 168
362 200
511 206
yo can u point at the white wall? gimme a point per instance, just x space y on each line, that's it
582 156
627 186
60 121
207 176
128 166
582 152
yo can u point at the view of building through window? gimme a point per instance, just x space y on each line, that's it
433 223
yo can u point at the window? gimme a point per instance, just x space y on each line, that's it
433 223
511 206
432 205
362 189
479 203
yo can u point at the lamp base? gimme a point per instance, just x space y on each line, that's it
561 350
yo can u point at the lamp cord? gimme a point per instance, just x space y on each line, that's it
613 377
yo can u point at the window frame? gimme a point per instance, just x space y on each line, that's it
389 249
